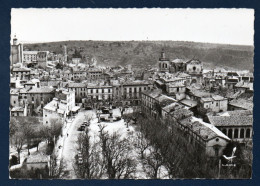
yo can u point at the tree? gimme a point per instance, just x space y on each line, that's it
141 144
19 141
92 166
53 130
27 131
117 155
20 134
152 162
171 148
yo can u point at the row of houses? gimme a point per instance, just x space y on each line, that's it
214 133
128 92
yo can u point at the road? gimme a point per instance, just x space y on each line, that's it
70 145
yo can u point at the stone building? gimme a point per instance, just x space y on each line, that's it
16 52
60 107
131 91
21 73
30 56
80 90
164 63
99 92
204 135
38 97
214 103
237 125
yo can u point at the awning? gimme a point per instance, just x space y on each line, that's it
75 109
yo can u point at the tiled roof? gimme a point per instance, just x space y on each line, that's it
205 130
21 69
176 84
212 98
199 93
165 100
137 82
170 107
234 120
181 113
179 60
77 85
153 93
17 109
242 103
243 84
41 90
25 90
38 158
189 102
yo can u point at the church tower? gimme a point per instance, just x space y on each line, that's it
164 63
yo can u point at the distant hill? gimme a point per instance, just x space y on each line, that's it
144 53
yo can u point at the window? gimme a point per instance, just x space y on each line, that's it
236 133
91 91
108 90
46 121
32 98
224 131
247 133
242 133
216 103
102 90
230 133
14 102
45 115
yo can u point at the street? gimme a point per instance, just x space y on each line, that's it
70 145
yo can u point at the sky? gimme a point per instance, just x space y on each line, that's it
227 26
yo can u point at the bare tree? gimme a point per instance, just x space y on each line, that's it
117 155
53 130
152 162
141 144
92 166
19 141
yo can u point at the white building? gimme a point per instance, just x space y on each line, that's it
60 107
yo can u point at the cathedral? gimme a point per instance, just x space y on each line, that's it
193 67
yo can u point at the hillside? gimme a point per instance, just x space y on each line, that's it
144 53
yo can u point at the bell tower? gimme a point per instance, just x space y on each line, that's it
15 41
164 63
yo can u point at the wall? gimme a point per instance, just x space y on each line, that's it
211 145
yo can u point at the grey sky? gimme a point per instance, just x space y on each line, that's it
231 26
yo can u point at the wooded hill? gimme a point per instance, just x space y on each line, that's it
145 53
